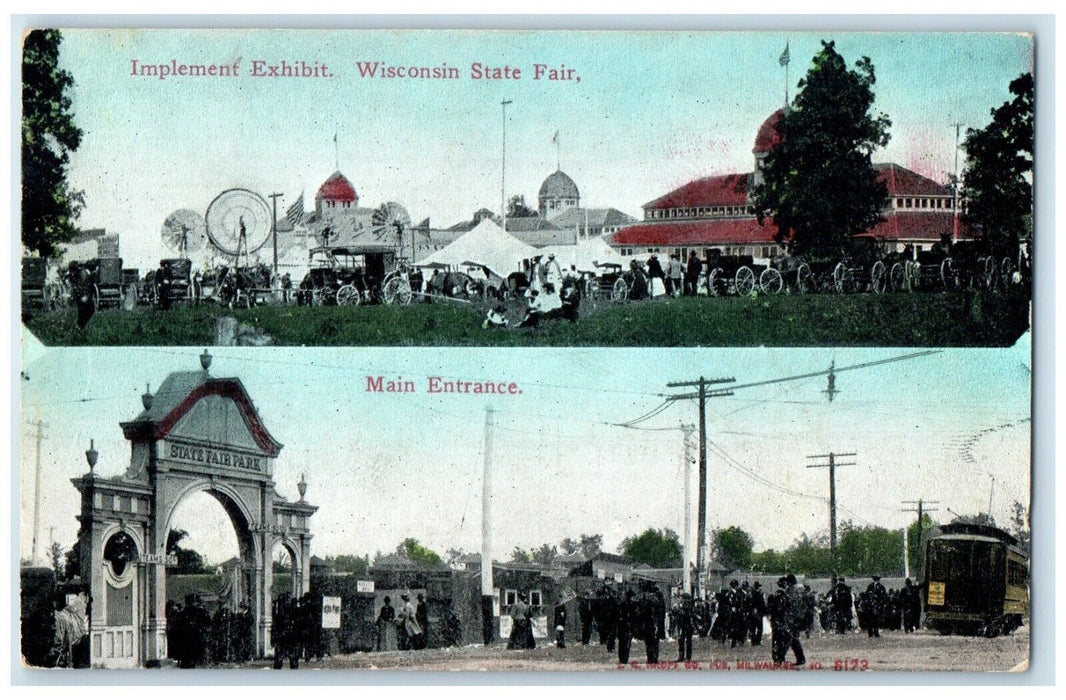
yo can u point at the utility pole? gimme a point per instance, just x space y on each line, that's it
955 188
702 395
274 229
832 465
39 437
920 508
488 620
687 431
503 168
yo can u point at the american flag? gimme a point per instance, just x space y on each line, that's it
784 56
295 212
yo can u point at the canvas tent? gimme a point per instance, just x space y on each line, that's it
585 254
486 245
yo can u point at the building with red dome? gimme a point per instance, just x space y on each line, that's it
717 212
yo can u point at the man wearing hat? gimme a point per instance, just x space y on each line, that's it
586 613
758 612
842 602
877 598
793 619
684 627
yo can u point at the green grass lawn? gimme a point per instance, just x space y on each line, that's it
964 318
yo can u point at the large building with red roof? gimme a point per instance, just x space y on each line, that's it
717 212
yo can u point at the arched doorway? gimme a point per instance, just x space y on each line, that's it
198 435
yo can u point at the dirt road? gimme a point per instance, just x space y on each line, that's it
851 653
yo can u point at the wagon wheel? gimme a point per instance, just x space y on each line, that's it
804 278
619 290
397 290
592 286
988 276
744 280
348 295
897 277
770 281
1007 268
96 297
714 279
842 278
949 275
878 278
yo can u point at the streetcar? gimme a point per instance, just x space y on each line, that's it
976 581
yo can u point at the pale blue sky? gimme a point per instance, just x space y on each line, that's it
387 467
652 111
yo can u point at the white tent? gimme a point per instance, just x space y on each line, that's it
487 245
585 254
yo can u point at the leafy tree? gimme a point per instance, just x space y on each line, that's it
657 548
809 555
517 209
869 550
348 563
55 555
418 553
49 135
72 563
979 519
733 547
189 560
1019 524
586 545
998 188
768 562
819 183
521 556
915 553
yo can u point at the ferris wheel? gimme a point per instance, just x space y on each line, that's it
238 222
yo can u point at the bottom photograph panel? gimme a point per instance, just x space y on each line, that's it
611 510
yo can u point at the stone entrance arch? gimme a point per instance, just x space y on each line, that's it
197 433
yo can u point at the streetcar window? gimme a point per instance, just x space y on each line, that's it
1017 575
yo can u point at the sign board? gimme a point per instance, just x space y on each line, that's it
165 559
936 593
202 455
364 586
506 622
618 577
540 626
331 612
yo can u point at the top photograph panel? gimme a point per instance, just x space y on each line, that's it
564 188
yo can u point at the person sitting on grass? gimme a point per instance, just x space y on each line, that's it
495 318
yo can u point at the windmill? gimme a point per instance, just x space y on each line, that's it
183 232
238 222
392 219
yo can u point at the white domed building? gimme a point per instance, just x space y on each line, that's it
558 193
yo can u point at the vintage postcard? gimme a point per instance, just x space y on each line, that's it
627 352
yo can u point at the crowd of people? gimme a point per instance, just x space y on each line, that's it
197 638
736 615
406 628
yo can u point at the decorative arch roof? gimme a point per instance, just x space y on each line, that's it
181 391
